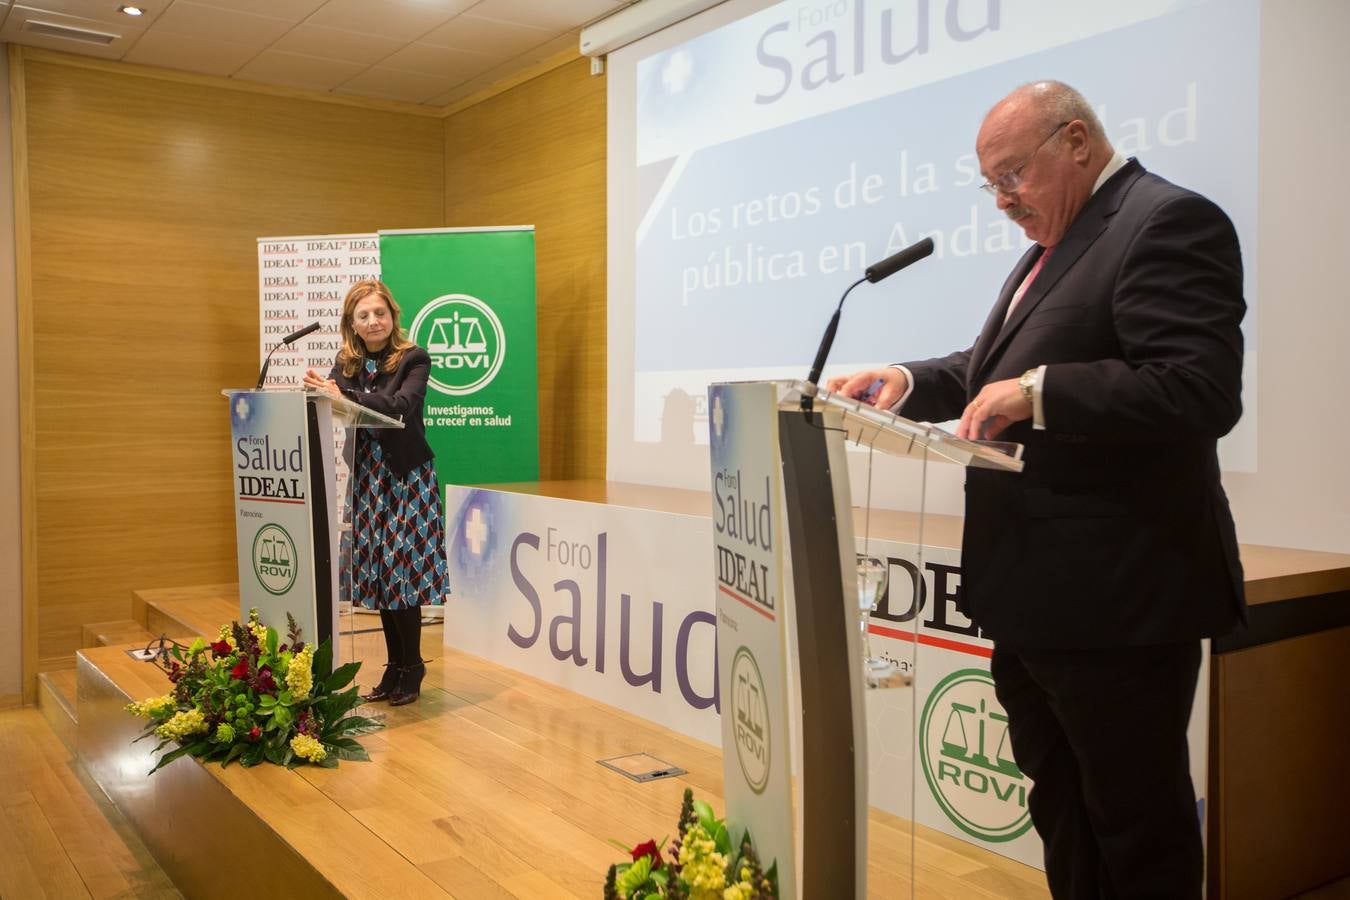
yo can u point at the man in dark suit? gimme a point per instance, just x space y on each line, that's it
1114 355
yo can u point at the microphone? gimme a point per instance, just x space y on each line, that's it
897 261
315 326
874 273
288 339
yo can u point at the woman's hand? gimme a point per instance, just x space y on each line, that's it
316 382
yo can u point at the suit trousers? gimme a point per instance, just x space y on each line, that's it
1102 733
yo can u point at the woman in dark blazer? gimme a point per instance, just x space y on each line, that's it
398 523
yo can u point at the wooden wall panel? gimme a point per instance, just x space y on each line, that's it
146 197
1281 787
535 155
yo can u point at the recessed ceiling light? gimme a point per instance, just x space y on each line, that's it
132 10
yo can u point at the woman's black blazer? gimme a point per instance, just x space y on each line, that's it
399 394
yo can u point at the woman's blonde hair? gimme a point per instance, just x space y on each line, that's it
352 355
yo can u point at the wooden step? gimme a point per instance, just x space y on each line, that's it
57 701
113 634
186 612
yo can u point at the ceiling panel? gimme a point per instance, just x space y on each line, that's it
489 36
21 18
547 13
100 10
196 20
294 10
570 40
176 51
404 20
297 70
420 51
460 65
335 43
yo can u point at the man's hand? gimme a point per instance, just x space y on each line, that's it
893 386
998 405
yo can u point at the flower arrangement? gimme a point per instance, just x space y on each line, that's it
249 698
701 866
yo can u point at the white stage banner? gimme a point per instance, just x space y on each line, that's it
612 603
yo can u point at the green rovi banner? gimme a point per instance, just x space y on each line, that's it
467 296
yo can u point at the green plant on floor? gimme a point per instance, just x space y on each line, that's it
250 698
701 864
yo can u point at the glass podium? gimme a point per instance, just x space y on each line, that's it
817 664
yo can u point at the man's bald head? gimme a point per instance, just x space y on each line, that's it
1048 135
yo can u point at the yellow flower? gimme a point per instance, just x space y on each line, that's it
308 748
153 707
299 673
704 868
227 635
183 724
741 890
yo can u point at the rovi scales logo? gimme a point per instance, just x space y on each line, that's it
465 340
967 758
750 720
274 559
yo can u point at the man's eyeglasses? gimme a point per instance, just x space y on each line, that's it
1011 180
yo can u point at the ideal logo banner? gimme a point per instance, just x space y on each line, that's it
303 279
468 299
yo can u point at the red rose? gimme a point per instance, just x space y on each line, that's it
240 670
647 848
254 733
221 648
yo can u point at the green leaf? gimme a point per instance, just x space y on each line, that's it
285 698
232 755
328 762
353 725
282 716
342 677
336 707
355 752
705 816
722 839
267 701
171 756
323 661
271 642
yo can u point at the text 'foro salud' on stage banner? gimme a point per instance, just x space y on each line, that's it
468 298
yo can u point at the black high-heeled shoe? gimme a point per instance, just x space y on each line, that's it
387 687
409 685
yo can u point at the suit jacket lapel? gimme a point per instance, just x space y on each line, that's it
1092 220
994 323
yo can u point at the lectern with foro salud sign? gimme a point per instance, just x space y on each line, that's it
289 505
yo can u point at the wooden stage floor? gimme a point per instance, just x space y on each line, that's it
486 787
